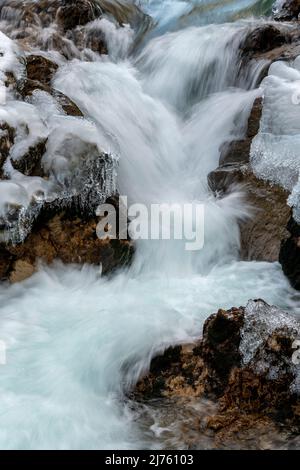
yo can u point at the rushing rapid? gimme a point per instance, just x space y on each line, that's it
76 341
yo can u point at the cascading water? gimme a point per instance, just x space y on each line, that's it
76 342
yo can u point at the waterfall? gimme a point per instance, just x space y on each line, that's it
77 342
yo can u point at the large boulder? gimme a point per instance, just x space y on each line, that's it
263 233
246 362
53 176
267 43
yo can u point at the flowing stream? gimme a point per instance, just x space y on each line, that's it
77 342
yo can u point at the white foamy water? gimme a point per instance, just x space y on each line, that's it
77 342
175 14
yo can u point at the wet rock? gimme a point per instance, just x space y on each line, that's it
61 224
58 222
21 270
76 13
267 43
7 137
176 373
40 69
220 347
235 152
244 362
264 38
288 10
289 257
67 236
39 72
235 155
6 263
30 163
63 25
69 107
263 233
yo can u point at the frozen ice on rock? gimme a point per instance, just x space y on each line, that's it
275 154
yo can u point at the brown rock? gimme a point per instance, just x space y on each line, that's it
264 38
263 233
22 269
40 69
6 262
70 18
68 237
220 347
69 107
175 373
7 138
76 13
244 363
268 43
289 10
30 163
39 74
254 118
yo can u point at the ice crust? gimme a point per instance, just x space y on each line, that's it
260 321
78 170
275 154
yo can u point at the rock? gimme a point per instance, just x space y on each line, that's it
6 263
76 13
67 23
263 233
243 362
7 137
65 236
57 221
266 231
30 163
22 269
289 256
288 10
235 152
268 43
41 69
69 107
220 347
264 38
39 72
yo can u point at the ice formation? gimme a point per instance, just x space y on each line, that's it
77 168
275 150
260 321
